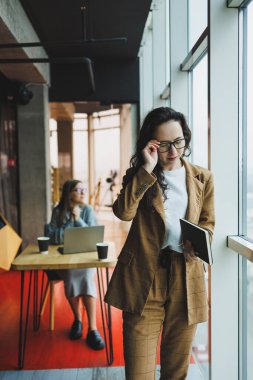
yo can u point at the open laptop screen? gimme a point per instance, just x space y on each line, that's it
82 239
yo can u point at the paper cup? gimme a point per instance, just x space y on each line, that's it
43 243
102 250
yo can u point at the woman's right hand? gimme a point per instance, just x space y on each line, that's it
150 155
76 213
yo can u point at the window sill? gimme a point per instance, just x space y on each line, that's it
240 245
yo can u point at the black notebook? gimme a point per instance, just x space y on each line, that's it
200 239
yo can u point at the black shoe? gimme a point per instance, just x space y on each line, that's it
76 331
94 340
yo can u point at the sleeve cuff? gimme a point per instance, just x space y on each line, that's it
79 223
145 176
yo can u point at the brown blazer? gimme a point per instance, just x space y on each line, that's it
138 261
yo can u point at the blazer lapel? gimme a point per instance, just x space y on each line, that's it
157 202
194 189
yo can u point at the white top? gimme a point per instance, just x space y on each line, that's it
175 207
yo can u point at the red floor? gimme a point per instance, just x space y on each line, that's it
47 349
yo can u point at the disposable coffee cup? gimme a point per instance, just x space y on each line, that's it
102 250
43 243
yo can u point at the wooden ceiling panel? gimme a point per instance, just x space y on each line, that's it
62 111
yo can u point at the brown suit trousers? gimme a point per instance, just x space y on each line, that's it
166 310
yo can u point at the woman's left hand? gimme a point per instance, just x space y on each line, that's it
189 252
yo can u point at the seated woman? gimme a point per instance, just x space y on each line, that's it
78 283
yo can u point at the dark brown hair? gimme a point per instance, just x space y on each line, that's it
64 203
151 122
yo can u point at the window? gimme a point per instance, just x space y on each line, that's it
199 126
196 64
199 112
80 148
197 20
106 126
246 303
249 319
53 144
249 121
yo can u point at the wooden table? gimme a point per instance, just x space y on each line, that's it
33 261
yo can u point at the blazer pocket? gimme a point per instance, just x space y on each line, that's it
125 257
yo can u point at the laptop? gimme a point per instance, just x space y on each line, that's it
82 239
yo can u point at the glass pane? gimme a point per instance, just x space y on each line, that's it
200 114
107 162
197 16
80 123
53 143
80 150
106 121
249 320
200 346
250 121
200 157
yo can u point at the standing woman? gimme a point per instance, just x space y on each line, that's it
79 284
159 283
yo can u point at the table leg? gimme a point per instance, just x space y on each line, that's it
106 315
38 303
23 331
109 322
36 312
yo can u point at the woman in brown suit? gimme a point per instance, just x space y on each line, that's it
159 283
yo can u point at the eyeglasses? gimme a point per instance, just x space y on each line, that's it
79 190
165 146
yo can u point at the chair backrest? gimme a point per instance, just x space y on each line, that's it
46 229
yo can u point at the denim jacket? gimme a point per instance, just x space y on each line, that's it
56 233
